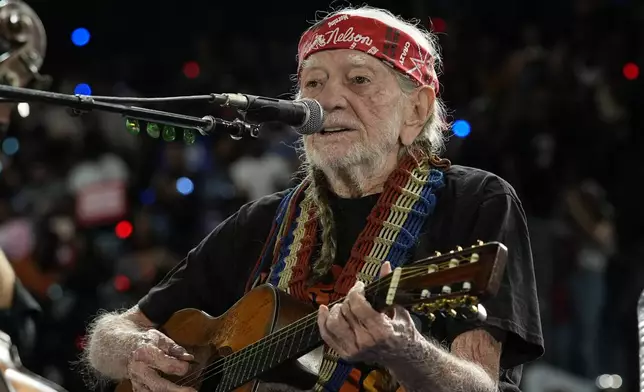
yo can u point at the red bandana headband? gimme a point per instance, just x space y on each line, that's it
373 37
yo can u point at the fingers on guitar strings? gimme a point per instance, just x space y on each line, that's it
171 348
334 330
354 322
363 311
358 287
179 352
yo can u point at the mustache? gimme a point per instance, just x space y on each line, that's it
335 119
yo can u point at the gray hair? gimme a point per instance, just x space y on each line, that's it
429 143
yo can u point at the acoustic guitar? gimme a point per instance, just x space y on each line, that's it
263 335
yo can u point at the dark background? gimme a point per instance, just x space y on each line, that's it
542 84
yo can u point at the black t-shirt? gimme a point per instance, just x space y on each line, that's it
474 205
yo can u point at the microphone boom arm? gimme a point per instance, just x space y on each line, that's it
85 103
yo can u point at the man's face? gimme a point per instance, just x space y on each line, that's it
359 94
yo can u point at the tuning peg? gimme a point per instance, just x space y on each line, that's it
478 243
437 253
475 312
426 309
459 248
452 313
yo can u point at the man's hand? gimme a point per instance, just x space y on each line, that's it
155 352
357 332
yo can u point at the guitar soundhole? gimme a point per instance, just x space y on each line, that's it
211 373
210 379
204 374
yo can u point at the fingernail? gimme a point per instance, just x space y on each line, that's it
178 350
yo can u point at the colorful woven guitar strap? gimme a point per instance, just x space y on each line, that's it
390 234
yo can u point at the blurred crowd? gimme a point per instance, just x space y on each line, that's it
92 216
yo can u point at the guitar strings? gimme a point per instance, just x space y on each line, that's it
249 351
269 340
233 360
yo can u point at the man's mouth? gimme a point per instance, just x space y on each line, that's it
331 130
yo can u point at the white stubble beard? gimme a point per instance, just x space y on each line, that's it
371 155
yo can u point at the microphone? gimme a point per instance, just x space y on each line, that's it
305 115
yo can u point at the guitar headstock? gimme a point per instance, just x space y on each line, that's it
450 284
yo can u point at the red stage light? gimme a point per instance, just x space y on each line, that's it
191 69
122 283
123 229
631 71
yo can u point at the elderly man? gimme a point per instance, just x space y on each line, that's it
375 76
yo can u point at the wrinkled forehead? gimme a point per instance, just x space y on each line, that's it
339 57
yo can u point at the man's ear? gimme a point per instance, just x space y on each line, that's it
420 107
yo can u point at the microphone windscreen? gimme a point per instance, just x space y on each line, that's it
315 119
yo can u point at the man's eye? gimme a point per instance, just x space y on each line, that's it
312 84
360 79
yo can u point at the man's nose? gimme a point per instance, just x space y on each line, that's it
333 96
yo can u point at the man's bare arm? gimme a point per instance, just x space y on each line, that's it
481 348
471 365
112 338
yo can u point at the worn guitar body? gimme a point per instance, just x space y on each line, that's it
260 312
